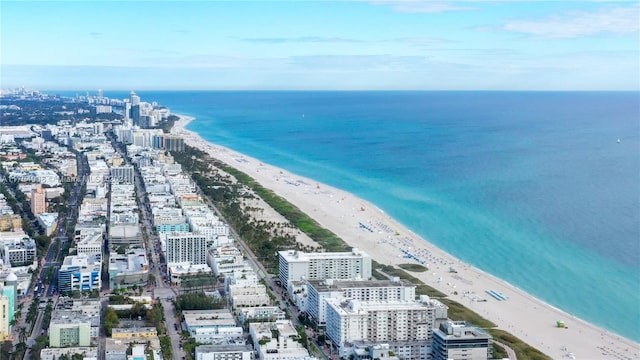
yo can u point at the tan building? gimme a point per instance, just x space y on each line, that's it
72 168
5 328
38 200
10 222
126 333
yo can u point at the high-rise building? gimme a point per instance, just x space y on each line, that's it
134 99
407 326
122 174
158 142
366 290
173 143
186 247
295 265
47 135
38 200
127 114
135 108
459 340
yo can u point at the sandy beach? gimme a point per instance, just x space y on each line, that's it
362 225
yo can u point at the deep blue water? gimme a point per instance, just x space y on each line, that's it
532 187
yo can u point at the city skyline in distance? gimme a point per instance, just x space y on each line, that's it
321 45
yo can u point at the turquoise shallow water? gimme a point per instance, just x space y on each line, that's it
532 187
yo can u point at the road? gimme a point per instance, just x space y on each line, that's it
262 273
162 289
52 258
37 331
65 225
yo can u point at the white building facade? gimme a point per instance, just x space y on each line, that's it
296 265
318 291
407 326
186 247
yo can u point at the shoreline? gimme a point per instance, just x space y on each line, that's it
363 225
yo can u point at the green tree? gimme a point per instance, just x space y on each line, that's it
5 348
165 346
22 334
19 351
198 301
110 320
122 249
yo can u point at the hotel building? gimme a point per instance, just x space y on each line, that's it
186 247
122 174
374 290
407 326
38 200
296 265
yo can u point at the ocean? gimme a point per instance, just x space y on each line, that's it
541 189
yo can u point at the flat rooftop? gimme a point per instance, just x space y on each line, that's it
323 285
295 255
205 318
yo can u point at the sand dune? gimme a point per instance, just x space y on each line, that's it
362 225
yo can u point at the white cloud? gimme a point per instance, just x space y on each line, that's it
618 20
301 39
360 62
422 6
419 41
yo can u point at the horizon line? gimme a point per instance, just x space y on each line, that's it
333 90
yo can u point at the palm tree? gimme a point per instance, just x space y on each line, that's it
22 334
20 348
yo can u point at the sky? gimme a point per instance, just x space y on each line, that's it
321 45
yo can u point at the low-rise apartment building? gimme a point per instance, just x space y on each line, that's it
224 352
80 272
276 340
